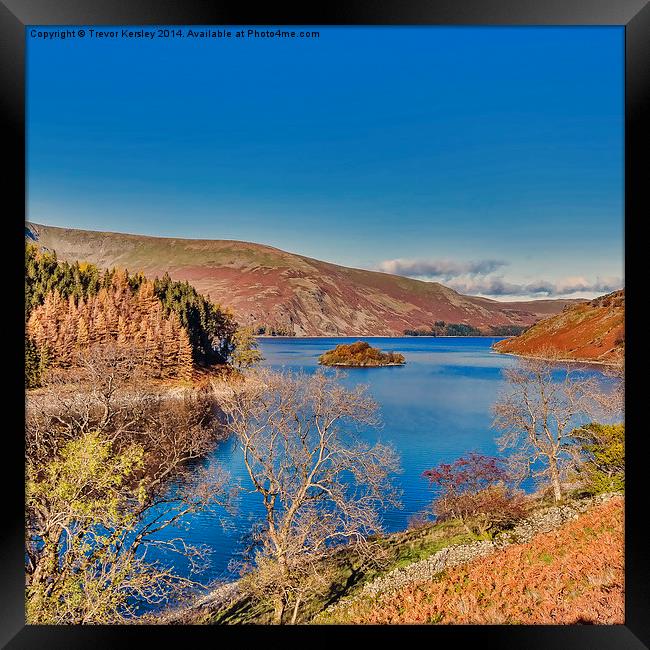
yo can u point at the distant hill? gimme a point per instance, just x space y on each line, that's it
289 293
592 331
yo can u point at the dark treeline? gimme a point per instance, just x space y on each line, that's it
273 330
60 328
211 328
441 328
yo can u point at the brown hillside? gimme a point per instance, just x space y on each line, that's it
592 331
572 575
268 286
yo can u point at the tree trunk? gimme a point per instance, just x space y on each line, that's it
281 601
467 528
278 610
47 565
295 611
555 480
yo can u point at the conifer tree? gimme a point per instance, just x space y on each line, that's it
51 306
72 306
122 330
184 360
169 345
32 364
146 299
36 330
100 327
66 339
83 339
112 317
148 351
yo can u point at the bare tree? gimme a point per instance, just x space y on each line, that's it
613 401
543 413
101 449
320 484
90 526
105 393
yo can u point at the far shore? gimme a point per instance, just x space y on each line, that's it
381 336
359 365
585 362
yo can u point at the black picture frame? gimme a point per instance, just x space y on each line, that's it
634 15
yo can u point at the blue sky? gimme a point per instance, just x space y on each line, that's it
490 159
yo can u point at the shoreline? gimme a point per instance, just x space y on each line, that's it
380 336
585 362
357 365
542 518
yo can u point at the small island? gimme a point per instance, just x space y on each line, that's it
360 355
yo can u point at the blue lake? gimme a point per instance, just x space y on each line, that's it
435 408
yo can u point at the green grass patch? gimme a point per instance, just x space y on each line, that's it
399 550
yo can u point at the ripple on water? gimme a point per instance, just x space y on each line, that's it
435 408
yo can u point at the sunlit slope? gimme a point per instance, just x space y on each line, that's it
572 575
592 331
268 286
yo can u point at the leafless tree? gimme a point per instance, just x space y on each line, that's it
105 393
542 414
102 447
613 401
320 484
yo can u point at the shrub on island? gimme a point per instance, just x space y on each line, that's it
360 354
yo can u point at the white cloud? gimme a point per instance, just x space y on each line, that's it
476 277
566 287
445 269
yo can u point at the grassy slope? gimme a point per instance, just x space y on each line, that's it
398 549
266 285
591 331
574 574
549 564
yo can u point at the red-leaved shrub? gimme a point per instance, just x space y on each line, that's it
476 490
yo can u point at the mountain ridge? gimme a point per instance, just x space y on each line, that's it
287 292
